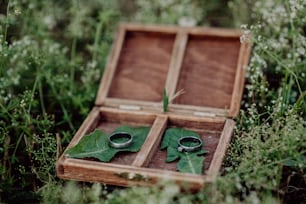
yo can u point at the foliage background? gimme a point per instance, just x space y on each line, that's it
52 55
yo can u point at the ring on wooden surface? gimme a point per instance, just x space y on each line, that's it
189 139
120 135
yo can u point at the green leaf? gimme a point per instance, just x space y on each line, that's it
191 163
165 101
95 144
188 162
296 162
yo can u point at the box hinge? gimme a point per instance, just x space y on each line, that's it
129 107
204 114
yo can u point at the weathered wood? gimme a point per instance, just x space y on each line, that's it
204 62
191 109
150 28
208 64
126 116
142 67
142 105
110 69
208 71
209 130
176 63
152 142
124 175
158 169
219 32
220 151
243 60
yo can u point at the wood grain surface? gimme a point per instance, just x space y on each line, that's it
143 66
208 71
210 132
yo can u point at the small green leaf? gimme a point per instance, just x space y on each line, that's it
191 163
95 144
165 101
296 162
188 162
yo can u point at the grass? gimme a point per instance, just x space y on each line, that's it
52 55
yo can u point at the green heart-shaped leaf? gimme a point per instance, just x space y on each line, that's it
95 144
165 101
191 162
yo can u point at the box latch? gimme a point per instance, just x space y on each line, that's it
204 114
129 107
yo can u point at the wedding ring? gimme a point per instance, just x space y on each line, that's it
188 139
119 135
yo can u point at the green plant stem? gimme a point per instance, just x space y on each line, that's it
32 93
7 20
65 112
285 94
5 110
17 145
293 29
25 131
41 98
5 161
72 58
97 39
282 65
300 101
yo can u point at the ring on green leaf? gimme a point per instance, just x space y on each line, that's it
194 144
120 140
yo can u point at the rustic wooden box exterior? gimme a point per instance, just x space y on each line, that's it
208 64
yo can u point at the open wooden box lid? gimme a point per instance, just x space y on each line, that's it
207 64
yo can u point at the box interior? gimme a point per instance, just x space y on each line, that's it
208 64
208 71
209 131
109 121
142 66
150 61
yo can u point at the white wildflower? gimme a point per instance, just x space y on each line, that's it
187 21
131 175
49 21
246 36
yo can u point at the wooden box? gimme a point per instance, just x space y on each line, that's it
208 64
